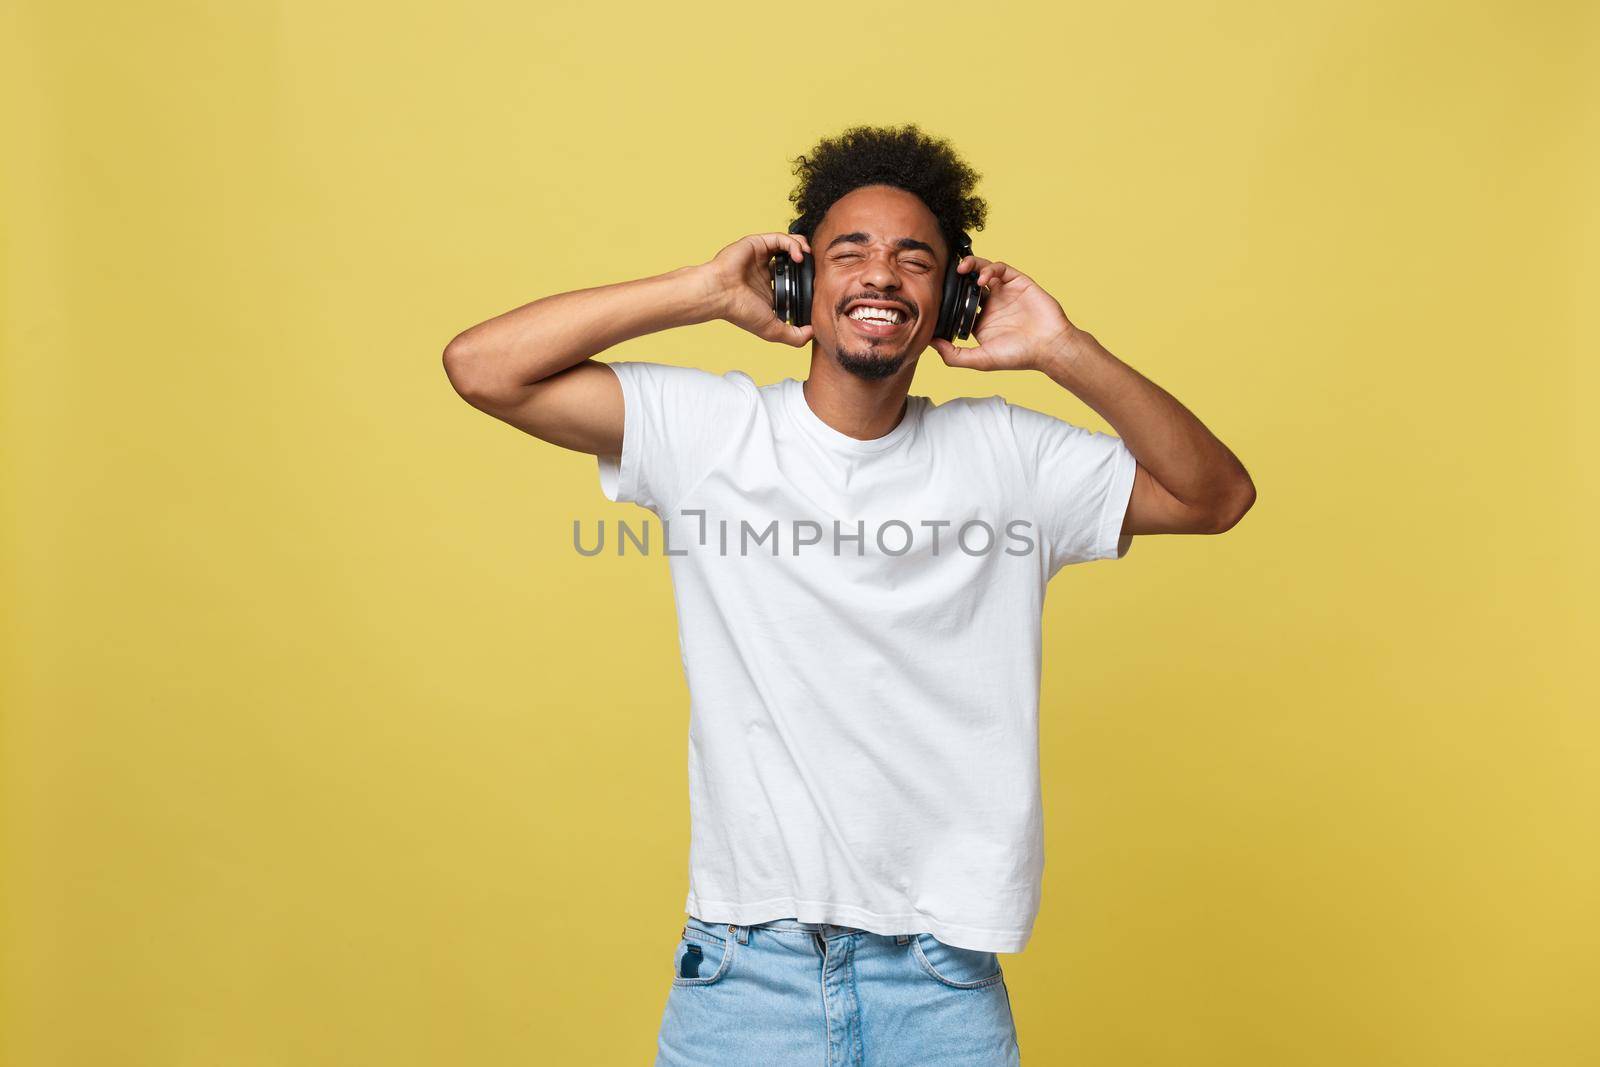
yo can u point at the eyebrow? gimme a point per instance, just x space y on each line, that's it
858 237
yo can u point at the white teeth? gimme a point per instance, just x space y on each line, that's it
872 314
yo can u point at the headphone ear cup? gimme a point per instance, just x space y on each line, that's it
956 311
969 305
782 286
792 284
805 280
791 288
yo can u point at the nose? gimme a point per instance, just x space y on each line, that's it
879 272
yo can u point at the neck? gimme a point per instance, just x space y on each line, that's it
853 406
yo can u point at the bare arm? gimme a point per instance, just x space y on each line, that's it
532 366
1187 480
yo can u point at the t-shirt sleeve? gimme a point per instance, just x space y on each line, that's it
1078 481
676 423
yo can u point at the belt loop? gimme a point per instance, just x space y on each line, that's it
740 932
901 939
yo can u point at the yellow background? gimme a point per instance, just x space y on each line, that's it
323 746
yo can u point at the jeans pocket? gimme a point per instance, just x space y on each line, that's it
701 957
960 968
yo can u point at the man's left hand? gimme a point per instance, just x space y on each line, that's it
1020 324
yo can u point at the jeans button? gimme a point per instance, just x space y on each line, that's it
731 930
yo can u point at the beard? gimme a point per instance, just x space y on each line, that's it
868 363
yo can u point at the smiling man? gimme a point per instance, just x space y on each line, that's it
866 828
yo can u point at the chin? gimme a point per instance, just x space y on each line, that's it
870 366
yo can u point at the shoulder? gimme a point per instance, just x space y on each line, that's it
1033 427
996 410
986 417
964 410
1034 438
677 376
676 388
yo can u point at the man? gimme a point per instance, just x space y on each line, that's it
859 575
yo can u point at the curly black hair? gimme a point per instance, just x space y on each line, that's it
902 156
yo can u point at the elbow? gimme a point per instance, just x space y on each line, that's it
465 371
1228 516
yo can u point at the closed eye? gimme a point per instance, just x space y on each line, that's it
919 264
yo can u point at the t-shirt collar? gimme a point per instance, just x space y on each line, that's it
795 396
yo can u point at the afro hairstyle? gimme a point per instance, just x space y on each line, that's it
902 156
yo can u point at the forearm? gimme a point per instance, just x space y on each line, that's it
1163 435
530 343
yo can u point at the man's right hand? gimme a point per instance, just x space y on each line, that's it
739 283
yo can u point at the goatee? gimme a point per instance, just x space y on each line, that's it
870 368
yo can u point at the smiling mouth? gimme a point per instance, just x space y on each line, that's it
873 323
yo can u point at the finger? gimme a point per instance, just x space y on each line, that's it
959 357
783 333
993 274
797 245
1000 272
779 243
971 263
1006 274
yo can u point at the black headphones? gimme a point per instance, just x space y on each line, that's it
959 305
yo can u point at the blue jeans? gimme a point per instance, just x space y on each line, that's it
785 993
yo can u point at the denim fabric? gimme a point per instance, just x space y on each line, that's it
786 993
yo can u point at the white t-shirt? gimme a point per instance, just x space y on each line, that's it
863 730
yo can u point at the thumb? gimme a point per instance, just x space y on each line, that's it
797 336
958 357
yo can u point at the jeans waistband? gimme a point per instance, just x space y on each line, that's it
796 924
827 930
789 924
